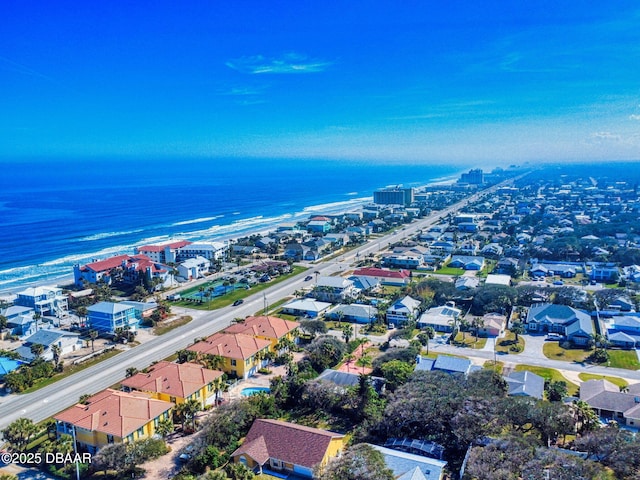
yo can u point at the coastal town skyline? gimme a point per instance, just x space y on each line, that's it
462 83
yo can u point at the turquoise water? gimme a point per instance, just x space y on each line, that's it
246 392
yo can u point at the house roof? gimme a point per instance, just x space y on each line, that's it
525 383
47 337
404 464
307 305
288 442
175 379
334 282
114 412
110 308
406 303
380 272
604 395
264 326
551 313
230 345
356 310
160 248
139 262
452 364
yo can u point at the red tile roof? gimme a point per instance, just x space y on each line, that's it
263 326
380 272
288 442
175 379
114 412
230 345
140 262
160 248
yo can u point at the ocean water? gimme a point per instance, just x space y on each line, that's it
56 213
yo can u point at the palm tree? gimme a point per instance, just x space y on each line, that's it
37 349
165 427
37 316
186 356
586 419
82 313
518 329
131 371
347 332
430 333
93 334
56 350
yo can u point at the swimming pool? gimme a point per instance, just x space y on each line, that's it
246 392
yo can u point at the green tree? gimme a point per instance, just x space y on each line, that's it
130 372
36 349
56 350
19 433
396 372
359 462
517 328
347 332
165 427
556 390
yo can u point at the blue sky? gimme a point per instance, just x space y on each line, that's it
456 81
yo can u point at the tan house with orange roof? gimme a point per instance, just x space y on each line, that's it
243 355
176 382
283 447
112 416
274 329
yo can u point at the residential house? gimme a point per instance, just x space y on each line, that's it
604 273
193 268
409 466
498 279
44 300
492 249
112 416
108 317
525 384
466 283
354 312
624 331
274 329
8 365
404 260
365 284
334 289
20 320
384 276
338 239
441 319
306 307
242 355
467 262
575 325
493 325
610 403
345 380
446 364
403 310
143 309
319 225
550 269
48 338
176 382
212 251
507 265
287 448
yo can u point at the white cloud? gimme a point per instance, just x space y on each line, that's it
606 136
634 117
287 63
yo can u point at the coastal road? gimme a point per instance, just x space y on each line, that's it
51 399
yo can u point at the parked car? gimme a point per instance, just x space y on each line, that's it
558 282
186 454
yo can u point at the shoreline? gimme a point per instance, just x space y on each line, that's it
64 279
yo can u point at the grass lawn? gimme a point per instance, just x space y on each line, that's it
241 293
620 382
164 326
491 365
627 359
449 271
469 341
551 375
554 351
509 340
71 369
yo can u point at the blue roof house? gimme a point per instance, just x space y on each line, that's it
8 365
107 317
